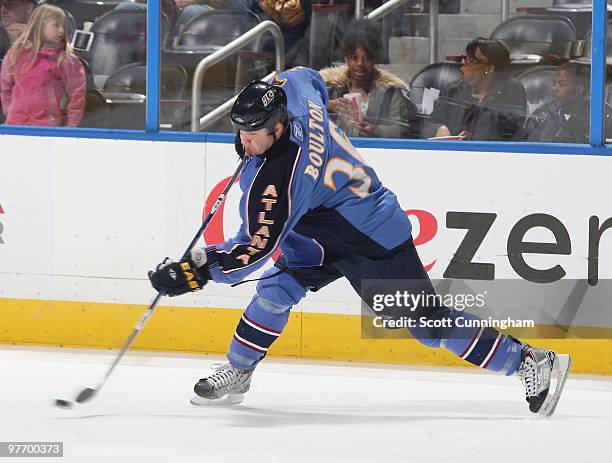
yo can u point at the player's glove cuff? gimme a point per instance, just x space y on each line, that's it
176 278
199 258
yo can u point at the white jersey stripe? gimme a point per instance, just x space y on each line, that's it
250 344
493 348
474 342
259 328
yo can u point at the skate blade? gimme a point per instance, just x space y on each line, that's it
229 399
560 372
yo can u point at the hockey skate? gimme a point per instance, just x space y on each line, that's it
226 386
543 373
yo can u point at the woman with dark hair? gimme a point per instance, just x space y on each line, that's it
366 101
486 103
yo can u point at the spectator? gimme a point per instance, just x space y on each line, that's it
292 16
364 100
566 118
14 15
485 104
42 82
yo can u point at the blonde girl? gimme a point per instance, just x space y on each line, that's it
42 81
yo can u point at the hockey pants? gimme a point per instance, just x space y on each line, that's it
268 312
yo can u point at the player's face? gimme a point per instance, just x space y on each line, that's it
256 142
360 66
564 87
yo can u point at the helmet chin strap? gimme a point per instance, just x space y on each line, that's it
274 137
273 133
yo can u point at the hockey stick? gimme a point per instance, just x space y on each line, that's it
88 393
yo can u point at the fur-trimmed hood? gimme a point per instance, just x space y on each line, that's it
337 76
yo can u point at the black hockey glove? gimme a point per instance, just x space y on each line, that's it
176 278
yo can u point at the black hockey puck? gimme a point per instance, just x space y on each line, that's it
63 403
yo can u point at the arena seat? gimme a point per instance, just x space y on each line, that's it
186 15
119 39
70 25
577 11
434 76
572 3
538 82
89 79
126 91
97 112
532 38
132 78
586 55
206 33
212 29
87 10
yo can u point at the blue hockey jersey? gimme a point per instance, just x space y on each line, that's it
311 194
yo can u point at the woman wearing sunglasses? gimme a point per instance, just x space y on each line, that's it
486 103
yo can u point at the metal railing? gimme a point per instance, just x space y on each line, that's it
359 8
198 123
505 10
434 11
384 9
222 110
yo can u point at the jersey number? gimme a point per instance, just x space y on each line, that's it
355 174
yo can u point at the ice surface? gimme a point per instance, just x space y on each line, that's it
296 411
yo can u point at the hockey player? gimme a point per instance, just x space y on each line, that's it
307 190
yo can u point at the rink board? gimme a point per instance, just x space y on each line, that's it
82 220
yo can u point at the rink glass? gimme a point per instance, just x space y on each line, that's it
406 51
110 40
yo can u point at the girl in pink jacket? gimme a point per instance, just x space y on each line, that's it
42 81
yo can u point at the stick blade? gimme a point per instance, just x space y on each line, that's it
86 394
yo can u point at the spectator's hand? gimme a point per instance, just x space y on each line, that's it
365 129
350 124
340 106
443 131
15 30
184 3
465 135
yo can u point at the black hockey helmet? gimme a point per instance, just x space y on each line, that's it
259 105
